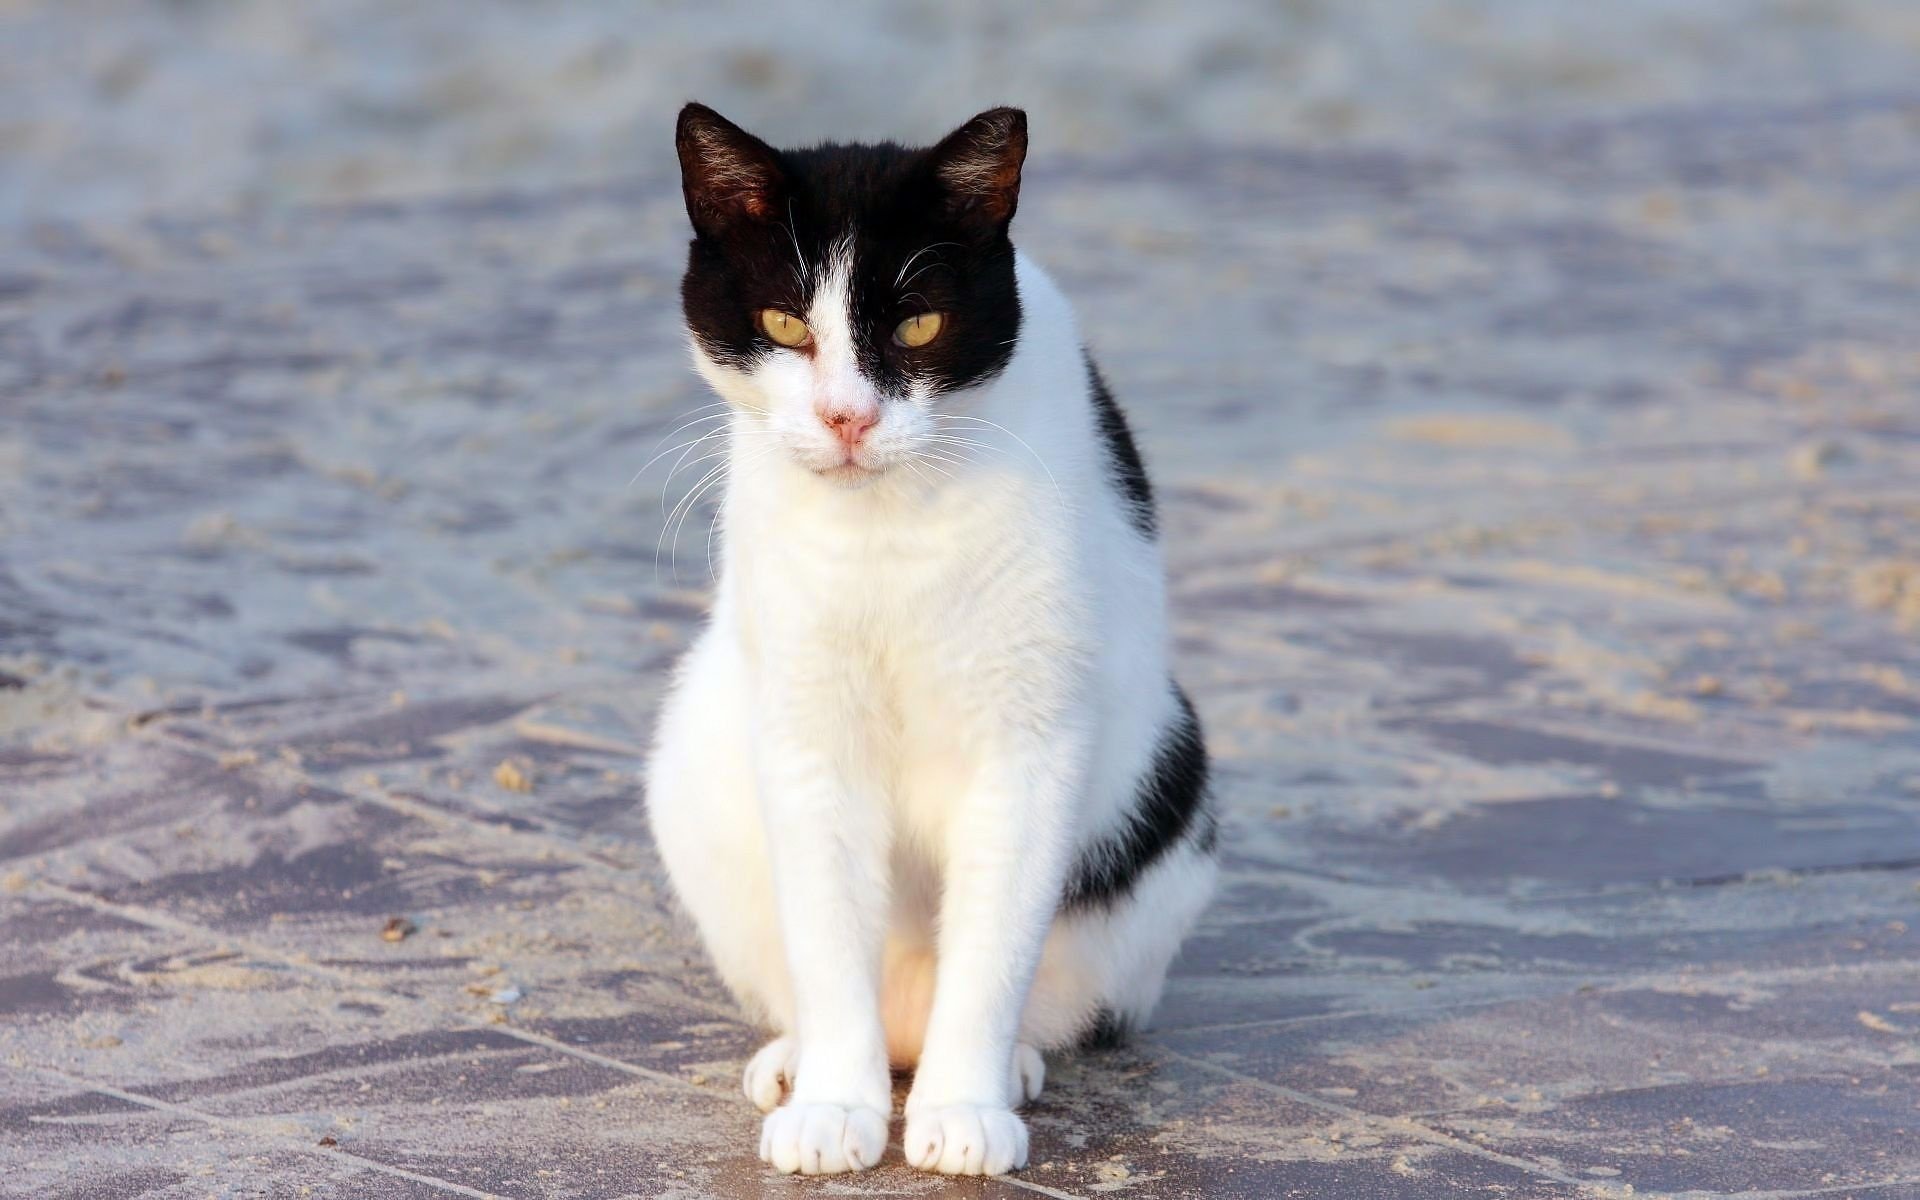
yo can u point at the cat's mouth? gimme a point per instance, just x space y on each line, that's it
848 471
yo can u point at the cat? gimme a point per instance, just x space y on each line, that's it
924 782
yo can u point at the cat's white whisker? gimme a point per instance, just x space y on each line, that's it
914 470
1035 454
713 522
684 505
928 461
897 279
673 554
799 259
684 425
946 454
950 439
680 462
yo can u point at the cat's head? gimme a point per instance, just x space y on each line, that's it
842 293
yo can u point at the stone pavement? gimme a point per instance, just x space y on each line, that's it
1543 508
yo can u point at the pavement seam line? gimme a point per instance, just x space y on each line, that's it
1401 1125
1851 1189
246 1128
1160 1030
1427 1133
1897 969
427 811
453 817
604 1060
1038 1188
1405 1125
155 919
187 928
175 925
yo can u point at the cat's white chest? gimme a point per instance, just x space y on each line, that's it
933 618
916 574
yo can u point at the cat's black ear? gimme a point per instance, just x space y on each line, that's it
978 168
727 174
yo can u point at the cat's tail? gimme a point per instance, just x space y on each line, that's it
906 999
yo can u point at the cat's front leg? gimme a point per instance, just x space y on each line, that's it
1006 858
827 837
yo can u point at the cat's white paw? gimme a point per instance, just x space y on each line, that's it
822 1139
770 1073
966 1139
1028 1077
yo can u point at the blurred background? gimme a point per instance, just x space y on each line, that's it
111 109
1533 394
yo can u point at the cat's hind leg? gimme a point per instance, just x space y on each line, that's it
1104 964
1027 1076
769 1074
706 823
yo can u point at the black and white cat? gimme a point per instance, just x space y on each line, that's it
924 781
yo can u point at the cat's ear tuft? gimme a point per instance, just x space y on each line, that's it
727 174
978 167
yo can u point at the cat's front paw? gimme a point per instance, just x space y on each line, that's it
966 1139
823 1139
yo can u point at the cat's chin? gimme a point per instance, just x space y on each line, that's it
849 475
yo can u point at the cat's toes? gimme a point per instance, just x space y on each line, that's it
822 1139
1028 1076
966 1139
770 1073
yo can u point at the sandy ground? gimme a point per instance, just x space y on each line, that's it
1535 394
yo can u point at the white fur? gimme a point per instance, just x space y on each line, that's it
927 682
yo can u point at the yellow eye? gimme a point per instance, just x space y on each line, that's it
915 332
784 328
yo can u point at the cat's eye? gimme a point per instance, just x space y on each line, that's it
917 331
784 328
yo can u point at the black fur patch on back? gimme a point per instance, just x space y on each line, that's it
1171 804
1123 457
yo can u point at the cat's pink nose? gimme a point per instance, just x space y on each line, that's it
850 425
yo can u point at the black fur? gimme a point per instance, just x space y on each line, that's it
1107 1031
765 221
1172 804
1129 473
